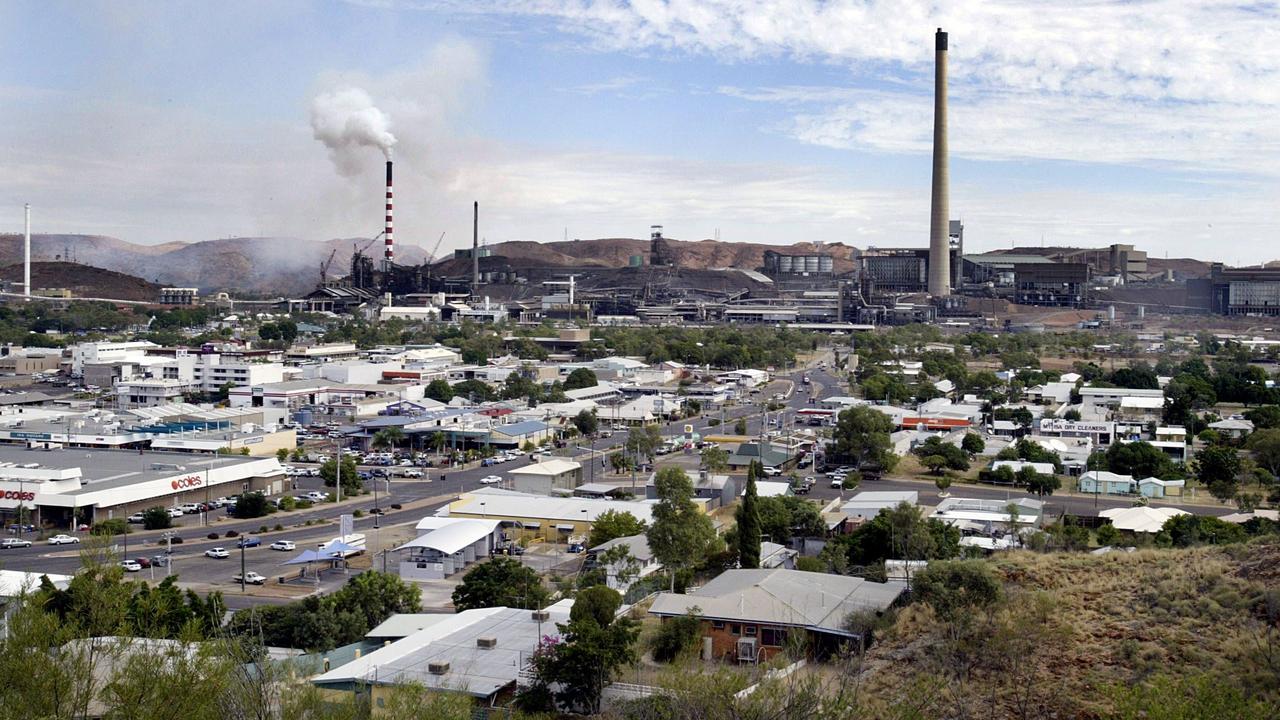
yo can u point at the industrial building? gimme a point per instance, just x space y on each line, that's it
1237 291
1053 284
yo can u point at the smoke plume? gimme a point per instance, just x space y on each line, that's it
346 120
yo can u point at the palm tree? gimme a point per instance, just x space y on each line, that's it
388 437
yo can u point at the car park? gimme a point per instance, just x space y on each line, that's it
284 545
64 540
11 543
130 566
218 553
248 542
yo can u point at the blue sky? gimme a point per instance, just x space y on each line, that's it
768 120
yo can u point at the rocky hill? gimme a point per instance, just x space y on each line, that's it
85 281
267 266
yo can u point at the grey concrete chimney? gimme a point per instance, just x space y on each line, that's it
940 207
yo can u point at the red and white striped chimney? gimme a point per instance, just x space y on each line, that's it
389 254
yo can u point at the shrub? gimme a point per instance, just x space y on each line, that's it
231 534
713 422
288 503
358 513
176 541
395 506
676 636
114 526
212 536
278 527
262 529
302 504
810 564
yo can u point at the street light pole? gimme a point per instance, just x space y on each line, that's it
242 578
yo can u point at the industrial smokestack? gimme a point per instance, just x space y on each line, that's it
26 250
389 255
939 244
475 246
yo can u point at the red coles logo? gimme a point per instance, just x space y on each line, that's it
189 481
18 495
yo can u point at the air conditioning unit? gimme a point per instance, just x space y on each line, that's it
437 668
488 643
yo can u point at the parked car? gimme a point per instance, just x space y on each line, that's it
317 496
189 508
144 562
175 512
771 471
160 560
248 542
16 529
8 543
130 566
576 548
135 518
411 473
284 545
250 577
64 540
218 553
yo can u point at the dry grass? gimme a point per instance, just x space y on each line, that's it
1114 619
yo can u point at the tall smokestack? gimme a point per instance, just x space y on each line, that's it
389 255
940 210
475 246
26 250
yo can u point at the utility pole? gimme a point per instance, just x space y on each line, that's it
242 578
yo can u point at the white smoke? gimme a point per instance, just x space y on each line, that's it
346 120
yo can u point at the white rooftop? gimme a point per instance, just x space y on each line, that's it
1141 519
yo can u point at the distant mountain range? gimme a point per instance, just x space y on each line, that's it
258 266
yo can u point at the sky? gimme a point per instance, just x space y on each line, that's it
1152 122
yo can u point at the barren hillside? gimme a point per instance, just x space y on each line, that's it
85 281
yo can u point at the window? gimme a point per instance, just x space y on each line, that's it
774 637
750 630
735 629
717 624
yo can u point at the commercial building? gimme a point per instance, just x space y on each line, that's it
748 615
552 519
447 546
179 296
94 485
546 477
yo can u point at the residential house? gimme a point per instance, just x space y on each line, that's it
749 615
1141 519
621 574
867 504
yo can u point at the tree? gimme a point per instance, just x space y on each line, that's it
351 482
935 463
740 426
643 441
681 536
282 455
440 390
955 588
612 524
973 443
748 518
1039 483
156 518
580 378
1108 535
1139 459
676 636
1071 415
586 422
901 532
1265 417
1218 468
715 459
1265 446
593 646
252 505
477 390
500 582
862 437
386 438
377 596
951 456
942 482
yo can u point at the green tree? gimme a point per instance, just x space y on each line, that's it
1265 446
935 463
951 456
387 438
612 524
862 437
592 648
580 378
1139 459
740 426
439 390
476 390
252 505
500 582
1265 417
643 441
282 455
1218 468
586 422
956 588
377 596
156 518
1108 535
747 515
676 636
942 482
715 459
681 535
1039 483
351 482
973 443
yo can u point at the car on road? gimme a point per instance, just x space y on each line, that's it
250 577
411 473
837 481
130 566
284 545
491 480
8 543
771 471
64 540
248 542
218 553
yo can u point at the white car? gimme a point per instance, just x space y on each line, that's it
317 496
491 480
771 471
130 566
189 508
412 473
64 540
217 553
135 518
175 512
250 577
283 545
14 543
